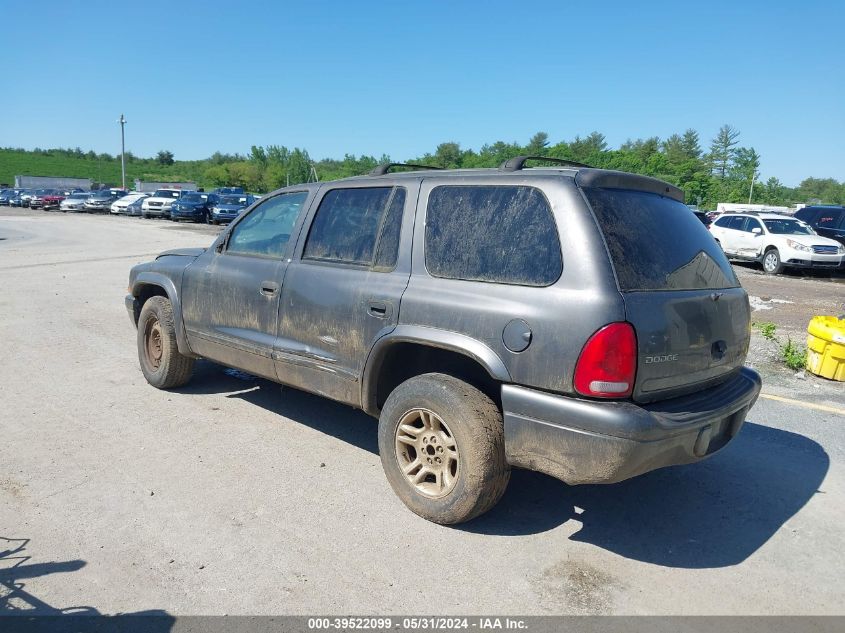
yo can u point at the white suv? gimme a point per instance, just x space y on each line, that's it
776 241
158 205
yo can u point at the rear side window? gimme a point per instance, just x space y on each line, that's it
501 234
656 244
830 219
350 224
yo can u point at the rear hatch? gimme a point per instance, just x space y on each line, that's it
690 315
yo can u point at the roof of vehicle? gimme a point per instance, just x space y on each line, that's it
761 216
821 207
583 174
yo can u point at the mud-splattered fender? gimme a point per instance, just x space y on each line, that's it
142 279
432 337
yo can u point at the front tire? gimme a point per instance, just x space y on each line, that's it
442 447
772 265
162 364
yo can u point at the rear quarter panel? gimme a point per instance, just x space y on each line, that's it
561 317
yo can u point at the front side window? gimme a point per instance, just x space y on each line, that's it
348 224
752 224
267 229
500 234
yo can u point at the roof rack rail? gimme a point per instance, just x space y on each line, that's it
518 162
381 170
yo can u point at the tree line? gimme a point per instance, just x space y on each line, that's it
724 171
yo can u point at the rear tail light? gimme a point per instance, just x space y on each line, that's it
607 365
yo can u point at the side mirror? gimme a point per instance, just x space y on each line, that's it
757 230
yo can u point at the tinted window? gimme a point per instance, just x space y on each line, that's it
347 225
788 227
751 224
829 219
267 228
656 244
388 243
503 234
723 222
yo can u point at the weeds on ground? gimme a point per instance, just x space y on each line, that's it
795 356
767 329
792 354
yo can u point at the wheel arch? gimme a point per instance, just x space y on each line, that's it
413 350
151 284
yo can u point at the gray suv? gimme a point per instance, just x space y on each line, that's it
574 321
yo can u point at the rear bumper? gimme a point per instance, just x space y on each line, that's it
584 441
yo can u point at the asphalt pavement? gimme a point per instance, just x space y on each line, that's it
234 495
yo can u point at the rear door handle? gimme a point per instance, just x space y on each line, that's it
269 288
379 309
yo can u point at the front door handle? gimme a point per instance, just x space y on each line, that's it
269 288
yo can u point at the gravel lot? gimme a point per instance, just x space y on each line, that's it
235 496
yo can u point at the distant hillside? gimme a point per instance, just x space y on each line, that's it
99 168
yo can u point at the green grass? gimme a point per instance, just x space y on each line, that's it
16 163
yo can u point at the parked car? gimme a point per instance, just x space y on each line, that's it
702 216
6 196
228 207
826 220
195 206
493 342
46 199
227 190
135 208
101 201
26 196
158 205
21 198
120 205
775 241
74 202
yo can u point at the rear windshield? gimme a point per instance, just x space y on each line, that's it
657 244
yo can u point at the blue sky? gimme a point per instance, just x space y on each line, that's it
401 77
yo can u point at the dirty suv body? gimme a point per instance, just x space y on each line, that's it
575 321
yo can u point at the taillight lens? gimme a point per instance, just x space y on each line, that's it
607 365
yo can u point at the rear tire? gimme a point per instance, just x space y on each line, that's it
442 447
163 365
772 265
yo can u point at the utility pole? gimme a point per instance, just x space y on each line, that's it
122 154
751 192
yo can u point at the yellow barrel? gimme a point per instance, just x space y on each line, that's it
826 347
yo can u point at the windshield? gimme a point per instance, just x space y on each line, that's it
101 194
233 200
78 196
166 193
194 197
788 227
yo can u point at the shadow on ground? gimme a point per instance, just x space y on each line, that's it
712 514
37 614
